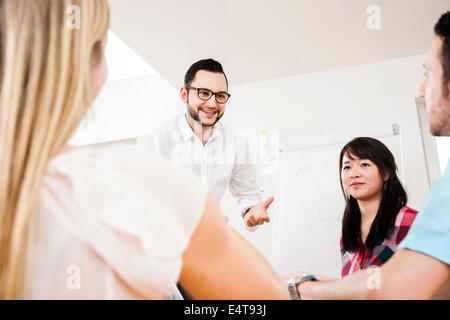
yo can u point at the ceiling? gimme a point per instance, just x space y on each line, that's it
258 40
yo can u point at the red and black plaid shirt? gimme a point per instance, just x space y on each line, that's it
365 257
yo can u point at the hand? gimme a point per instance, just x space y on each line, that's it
258 213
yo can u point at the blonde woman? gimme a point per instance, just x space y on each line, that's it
84 224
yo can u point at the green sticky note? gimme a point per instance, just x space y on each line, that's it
263 132
271 159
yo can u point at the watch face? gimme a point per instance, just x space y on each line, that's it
308 277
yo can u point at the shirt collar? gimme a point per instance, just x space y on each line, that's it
187 132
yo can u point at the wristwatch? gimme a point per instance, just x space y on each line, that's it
294 282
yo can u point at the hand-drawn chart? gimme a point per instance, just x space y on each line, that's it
307 172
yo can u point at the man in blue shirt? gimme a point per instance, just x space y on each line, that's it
420 268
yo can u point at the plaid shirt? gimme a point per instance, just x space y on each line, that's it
385 248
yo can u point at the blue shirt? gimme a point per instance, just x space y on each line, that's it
430 232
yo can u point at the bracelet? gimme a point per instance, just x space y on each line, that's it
246 210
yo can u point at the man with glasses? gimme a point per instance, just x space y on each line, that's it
199 142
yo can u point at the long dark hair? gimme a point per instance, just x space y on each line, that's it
393 195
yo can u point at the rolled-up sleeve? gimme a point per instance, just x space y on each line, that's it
244 185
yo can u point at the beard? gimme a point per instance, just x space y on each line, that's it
439 117
194 115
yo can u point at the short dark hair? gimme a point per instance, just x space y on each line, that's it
394 196
210 65
442 30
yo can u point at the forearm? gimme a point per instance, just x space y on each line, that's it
356 286
220 264
407 275
263 270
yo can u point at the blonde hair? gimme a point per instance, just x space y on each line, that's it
45 92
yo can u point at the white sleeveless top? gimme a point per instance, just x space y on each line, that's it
112 223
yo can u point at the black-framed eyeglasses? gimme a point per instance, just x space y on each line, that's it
205 94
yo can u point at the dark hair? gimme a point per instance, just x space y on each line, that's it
442 30
210 65
393 195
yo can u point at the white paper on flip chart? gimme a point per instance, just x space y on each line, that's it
310 203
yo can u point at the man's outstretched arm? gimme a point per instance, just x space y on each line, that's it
407 275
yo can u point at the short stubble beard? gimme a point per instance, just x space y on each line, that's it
194 115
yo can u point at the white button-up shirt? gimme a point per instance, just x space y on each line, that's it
223 162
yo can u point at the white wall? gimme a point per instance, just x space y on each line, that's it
367 96
443 147
128 108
